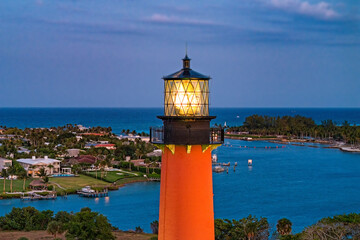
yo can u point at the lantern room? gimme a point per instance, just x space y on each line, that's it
186 110
186 92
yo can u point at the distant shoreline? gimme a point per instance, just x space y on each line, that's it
273 139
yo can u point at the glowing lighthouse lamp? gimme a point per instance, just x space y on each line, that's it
186 139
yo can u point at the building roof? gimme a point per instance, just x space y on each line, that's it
93 134
186 72
37 183
105 145
37 161
4 159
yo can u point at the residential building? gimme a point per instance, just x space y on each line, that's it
5 163
107 146
33 165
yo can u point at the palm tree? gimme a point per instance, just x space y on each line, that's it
41 173
55 227
283 226
11 171
96 164
23 175
50 166
4 174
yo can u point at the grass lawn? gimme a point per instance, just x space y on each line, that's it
130 180
75 183
17 185
115 176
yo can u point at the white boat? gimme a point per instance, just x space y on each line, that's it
87 189
218 169
214 158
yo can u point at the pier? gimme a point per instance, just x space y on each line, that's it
87 192
35 196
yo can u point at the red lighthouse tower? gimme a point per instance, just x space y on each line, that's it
186 190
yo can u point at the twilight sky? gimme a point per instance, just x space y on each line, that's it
259 53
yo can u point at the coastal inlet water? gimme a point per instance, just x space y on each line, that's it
303 184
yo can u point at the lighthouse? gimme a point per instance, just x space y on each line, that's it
186 140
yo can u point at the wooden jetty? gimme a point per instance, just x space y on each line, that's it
154 179
34 196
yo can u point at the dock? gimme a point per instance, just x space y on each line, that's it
93 194
34 196
154 179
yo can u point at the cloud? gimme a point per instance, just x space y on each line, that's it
322 10
160 18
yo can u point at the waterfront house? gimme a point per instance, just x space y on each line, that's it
5 163
139 162
33 165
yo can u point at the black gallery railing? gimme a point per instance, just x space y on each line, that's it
216 135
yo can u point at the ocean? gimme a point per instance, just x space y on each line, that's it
141 119
301 183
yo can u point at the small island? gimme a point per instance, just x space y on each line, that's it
299 129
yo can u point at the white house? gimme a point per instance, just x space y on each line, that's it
33 165
5 163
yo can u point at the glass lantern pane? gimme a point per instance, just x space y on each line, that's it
186 97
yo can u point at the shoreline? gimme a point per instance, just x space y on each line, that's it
18 195
332 145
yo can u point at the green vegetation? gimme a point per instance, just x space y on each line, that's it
112 176
88 225
283 227
75 183
299 126
339 227
55 227
84 225
247 228
26 219
17 185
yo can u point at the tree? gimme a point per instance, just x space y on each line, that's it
11 171
50 166
155 227
4 174
42 173
283 226
138 229
55 227
97 164
23 175
26 219
88 225
249 228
